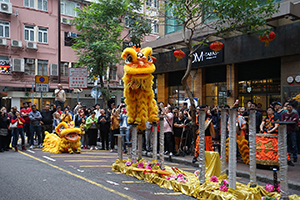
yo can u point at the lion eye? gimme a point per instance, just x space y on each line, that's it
150 59
129 59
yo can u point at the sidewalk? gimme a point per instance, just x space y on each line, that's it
263 175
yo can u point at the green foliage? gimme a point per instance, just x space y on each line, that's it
100 24
224 16
99 39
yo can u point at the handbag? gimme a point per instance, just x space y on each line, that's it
3 132
13 125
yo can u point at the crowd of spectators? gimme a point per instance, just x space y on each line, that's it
101 125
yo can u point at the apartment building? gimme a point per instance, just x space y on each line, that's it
29 47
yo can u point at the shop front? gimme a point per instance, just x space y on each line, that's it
259 82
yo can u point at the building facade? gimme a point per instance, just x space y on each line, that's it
244 69
29 47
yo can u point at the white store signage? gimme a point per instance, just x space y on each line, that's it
77 78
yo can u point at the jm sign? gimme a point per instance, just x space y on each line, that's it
206 56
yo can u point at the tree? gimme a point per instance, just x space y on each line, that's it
99 42
222 17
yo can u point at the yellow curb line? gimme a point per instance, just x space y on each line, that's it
80 177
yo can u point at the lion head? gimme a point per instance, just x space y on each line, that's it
138 63
68 131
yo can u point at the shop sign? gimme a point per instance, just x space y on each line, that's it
4 67
206 56
77 78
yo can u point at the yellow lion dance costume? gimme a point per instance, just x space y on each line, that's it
67 140
138 93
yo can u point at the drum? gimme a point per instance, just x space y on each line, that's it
267 149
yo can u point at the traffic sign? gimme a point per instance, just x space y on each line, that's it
42 83
42 79
77 78
95 92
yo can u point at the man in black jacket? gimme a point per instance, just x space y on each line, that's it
104 124
47 120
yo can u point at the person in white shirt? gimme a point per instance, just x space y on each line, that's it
168 130
60 96
97 110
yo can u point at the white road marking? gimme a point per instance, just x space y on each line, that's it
113 183
48 158
30 151
80 170
126 188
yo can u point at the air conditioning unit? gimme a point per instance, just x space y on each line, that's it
31 45
6 7
18 65
29 61
72 34
3 42
65 21
16 43
53 70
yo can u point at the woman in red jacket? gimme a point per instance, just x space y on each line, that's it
18 131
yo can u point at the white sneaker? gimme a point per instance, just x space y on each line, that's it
171 154
91 148
41 146
95 148
31 147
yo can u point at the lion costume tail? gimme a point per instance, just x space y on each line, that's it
51 142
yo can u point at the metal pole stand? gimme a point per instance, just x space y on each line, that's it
223 141
120 138
129 146
252 147
154 142
232 149
161 143
140 145
202 146
282 152
134 141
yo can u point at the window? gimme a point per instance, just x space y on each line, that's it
29 3
67 8
149 2
43 35
113 73
4 29
70 38
171 23
43 67
156 3
29 33
42 5
64 69
156 27
29 66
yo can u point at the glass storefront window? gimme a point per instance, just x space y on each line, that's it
215 94
36 102
176 95
262 92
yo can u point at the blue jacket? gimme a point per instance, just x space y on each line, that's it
35 118
122 118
